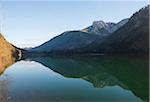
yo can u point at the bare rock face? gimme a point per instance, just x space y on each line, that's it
8 53
104 28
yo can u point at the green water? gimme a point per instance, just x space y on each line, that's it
76 79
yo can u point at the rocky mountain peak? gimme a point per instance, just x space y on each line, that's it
104 28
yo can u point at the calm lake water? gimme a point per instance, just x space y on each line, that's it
76 79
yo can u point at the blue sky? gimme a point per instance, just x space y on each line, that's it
30 23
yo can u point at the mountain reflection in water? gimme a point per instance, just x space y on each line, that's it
130 73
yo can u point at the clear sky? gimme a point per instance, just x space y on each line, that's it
30 23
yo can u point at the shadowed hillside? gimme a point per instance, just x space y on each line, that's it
132 37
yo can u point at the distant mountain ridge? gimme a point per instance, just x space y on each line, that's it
73 41
127 36
67 41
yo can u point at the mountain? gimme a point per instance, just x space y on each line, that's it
131 37
67 41
73 41
8 53
127 36
104 29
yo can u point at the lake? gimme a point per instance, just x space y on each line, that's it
76 79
